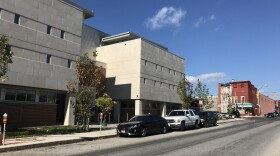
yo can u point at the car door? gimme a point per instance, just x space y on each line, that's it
188 120
149 124
157 124
192 117
211 117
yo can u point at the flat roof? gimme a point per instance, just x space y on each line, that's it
87 13
127 36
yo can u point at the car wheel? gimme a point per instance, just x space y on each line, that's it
120 135
164 129
215 123
183 126
206 124
196 126
143 132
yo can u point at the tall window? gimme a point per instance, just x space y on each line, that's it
49 59
69 65
16 20
62 34
49 30
242 99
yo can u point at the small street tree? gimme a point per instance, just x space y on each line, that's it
105 103
230 105
185 92
202 93
5 58
85 88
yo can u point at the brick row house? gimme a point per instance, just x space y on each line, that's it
244 97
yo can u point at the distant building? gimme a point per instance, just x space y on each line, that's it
224 97
266 104
242 95
215 104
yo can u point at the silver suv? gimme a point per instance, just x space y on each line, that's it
180 119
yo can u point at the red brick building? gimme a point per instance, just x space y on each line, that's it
241 94
266 104
244 95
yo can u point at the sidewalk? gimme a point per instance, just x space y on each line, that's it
51 140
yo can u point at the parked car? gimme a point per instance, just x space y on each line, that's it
235 114
270 115
141 125
224 115
180 119
208 118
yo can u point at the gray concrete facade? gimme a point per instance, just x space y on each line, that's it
45 37
140 70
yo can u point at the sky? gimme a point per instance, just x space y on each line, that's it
220 40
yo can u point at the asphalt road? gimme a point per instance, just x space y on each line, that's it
252 137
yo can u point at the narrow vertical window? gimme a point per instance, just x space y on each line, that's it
69 64
242 99
146 63
49 30
145 81
156 67
16 20
49 59
62 34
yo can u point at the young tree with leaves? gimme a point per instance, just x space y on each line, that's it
202 93
85 88
5 58
106 104
185 92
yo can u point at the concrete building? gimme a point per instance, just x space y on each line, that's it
45 36
141 75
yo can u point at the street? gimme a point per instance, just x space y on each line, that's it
251 137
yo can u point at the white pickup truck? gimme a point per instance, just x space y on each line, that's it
180 119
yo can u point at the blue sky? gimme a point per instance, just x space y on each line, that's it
220 40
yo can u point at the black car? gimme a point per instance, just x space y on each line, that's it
141 125
208 118
236 114
270 115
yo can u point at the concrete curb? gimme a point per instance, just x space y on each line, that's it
38 145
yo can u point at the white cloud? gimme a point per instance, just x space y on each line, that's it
165 16
207 78
203 20
217 29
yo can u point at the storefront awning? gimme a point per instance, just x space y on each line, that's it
247 105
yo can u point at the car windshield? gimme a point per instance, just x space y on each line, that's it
138 118
177 113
